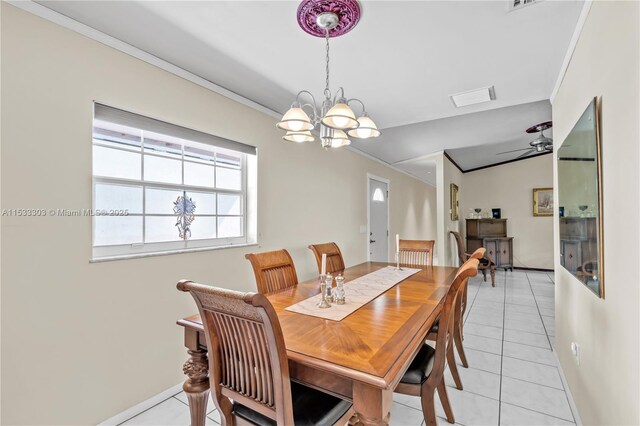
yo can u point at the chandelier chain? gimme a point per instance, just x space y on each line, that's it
327 92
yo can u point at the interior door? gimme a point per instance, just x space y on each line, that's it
378 221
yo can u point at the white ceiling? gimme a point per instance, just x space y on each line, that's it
403 59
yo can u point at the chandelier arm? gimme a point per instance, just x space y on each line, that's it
300 93
336 98
364 110
313 105
313 113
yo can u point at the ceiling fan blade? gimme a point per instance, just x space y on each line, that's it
507 152
524 154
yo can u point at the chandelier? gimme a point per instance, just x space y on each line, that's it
335 118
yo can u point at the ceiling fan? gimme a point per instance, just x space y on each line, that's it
539 144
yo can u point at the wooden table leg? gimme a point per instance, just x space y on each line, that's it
197 384
372 405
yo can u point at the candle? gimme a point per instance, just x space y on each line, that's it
397 243
324 264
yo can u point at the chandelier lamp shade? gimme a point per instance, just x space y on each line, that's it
340 117
295 120
339 139
334 118
301 136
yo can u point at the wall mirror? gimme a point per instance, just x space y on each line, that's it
455 203
580 201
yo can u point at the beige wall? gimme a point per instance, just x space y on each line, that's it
82 342
510 188
446 174
605 386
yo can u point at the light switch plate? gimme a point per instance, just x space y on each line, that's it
575 350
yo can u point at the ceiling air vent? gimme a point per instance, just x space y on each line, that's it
519 4
472 97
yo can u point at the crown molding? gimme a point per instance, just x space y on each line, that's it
100 37
89 32
391 166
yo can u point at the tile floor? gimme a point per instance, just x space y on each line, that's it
512 377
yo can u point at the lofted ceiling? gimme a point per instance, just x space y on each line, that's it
403 60
472 140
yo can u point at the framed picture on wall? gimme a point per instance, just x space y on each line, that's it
543 201
454 201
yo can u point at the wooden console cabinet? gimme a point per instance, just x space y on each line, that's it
492 235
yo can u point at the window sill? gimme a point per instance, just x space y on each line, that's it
168 252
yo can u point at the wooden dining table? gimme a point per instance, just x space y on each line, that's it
360 358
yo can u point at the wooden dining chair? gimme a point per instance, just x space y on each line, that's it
416 252
425 374
274 270
335 262
248 364
458 325
485 263
587 270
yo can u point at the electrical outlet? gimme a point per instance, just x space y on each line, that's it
575 350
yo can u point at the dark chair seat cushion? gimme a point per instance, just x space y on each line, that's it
420 367
486 262
435 327
310 407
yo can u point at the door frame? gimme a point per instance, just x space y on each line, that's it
388 182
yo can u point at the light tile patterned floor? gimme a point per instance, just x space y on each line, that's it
512 377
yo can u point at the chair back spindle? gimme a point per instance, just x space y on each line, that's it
247 355
335 262
274 270
416 252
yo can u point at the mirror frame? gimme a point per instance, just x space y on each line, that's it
600 221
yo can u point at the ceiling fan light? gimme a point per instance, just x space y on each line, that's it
299 137
295 120
366 129
341 117
339 139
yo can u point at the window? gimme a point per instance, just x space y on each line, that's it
378 195
163 188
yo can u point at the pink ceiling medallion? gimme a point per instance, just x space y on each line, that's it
339 16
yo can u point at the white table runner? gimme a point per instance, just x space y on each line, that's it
358 293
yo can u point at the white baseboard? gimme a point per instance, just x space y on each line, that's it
572 404
144 405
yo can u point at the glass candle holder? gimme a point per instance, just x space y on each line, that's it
338 293
323 290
